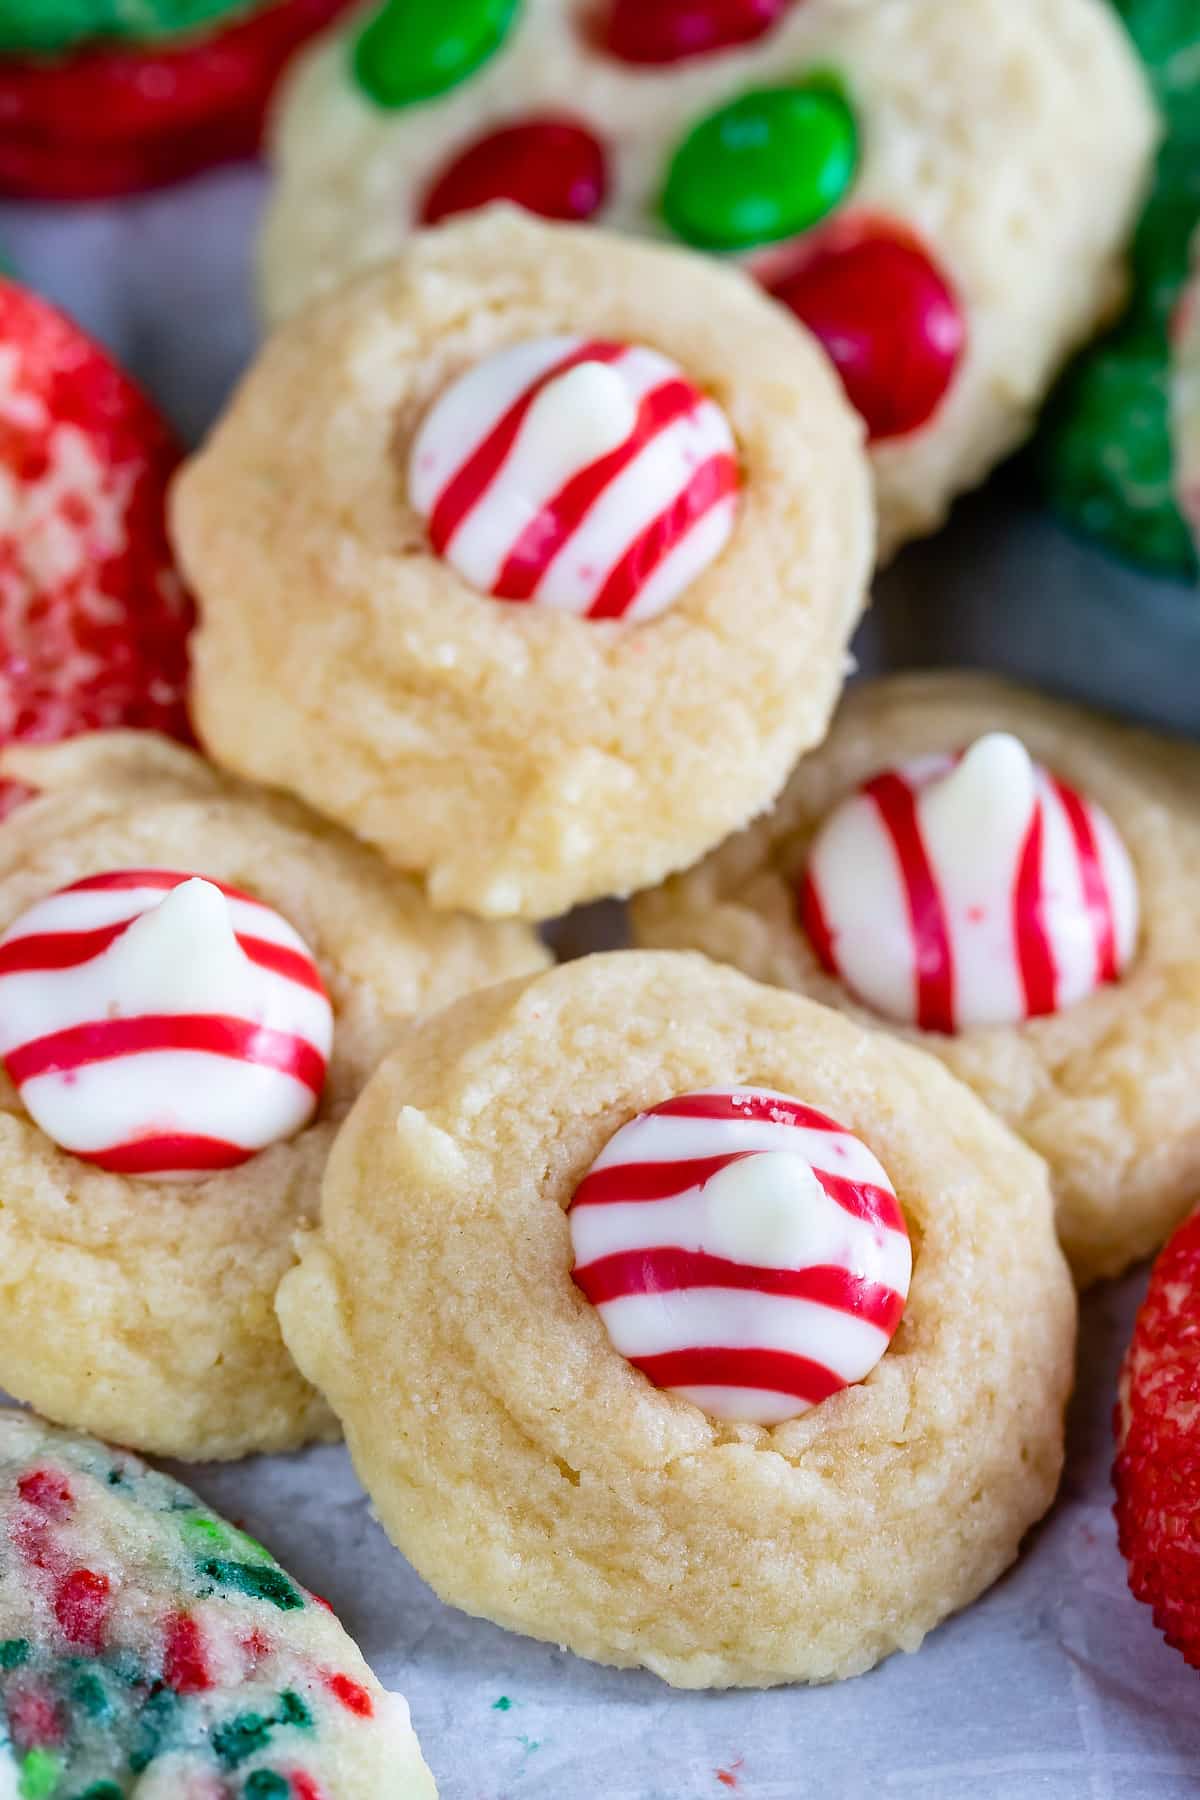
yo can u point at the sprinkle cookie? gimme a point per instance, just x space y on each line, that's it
1157 1471
976 165
754 1324
94 621
584 517
195 981
152 1650
998 876
105 97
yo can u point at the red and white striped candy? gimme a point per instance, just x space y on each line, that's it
965 891
743 1251
161 1024
581 475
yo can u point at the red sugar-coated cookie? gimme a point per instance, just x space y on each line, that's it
1157 1471
116 119
93 617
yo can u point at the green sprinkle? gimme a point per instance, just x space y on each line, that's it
766 166
254 1580
88 1693
242 1737
292 1710
503 1704
13 1652
263 1785
102 1790
153 1724
40 1771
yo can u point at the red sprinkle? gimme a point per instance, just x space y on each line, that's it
114 119
81 1608
671 31
33 1717
552 167
354 1698
49 1491
1157 1471
304 1787
885 313
184 1666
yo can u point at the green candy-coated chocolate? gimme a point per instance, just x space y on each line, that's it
33 26
765 167
415 49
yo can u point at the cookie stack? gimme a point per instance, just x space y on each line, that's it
666 1296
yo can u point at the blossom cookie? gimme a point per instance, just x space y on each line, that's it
195 980
1000 876
941 191
733 1296
149 1648
587 518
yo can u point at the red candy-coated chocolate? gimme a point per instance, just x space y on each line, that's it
118 118
884 312
670 31
93 620
552 167
1157 1471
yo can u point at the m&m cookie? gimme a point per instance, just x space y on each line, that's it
102 97
1106 454
94 620
940 191
1157 1471
756 1328
195 981
149 1648
531 557
1002 878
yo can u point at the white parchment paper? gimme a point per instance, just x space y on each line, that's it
1056 1683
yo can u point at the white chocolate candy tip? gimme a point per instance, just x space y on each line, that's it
766 1210
577 418
742 1251
990 791
180 955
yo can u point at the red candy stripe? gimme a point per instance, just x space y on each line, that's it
896 801
658 32
552 167
885 313
116 119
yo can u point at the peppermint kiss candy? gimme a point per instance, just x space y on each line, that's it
743 1251
973 890
585 476
161 1024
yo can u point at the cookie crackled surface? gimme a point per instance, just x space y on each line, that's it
195 981
150 1650
1003 878
564 1440
586 519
